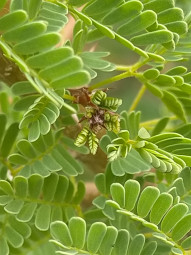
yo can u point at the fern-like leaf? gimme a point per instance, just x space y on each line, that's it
47 154
101 239
22 47
45 199
100 98
161 215
93 142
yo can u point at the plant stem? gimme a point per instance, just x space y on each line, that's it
123 68
110 80
138 98
154 121
69 97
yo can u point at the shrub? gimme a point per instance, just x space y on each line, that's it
56 110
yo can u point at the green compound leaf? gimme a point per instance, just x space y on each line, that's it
165 152
38 36
42 199
109 12
33 159
101 239
152 209
39 117
14 235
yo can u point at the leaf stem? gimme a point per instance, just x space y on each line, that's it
111 79
138 98
154 121
69 97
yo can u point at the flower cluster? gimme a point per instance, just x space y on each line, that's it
99 113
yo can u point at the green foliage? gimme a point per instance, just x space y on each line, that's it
101 239
32 196
86 135
55 57
152 208
100 98
45 155
98 118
